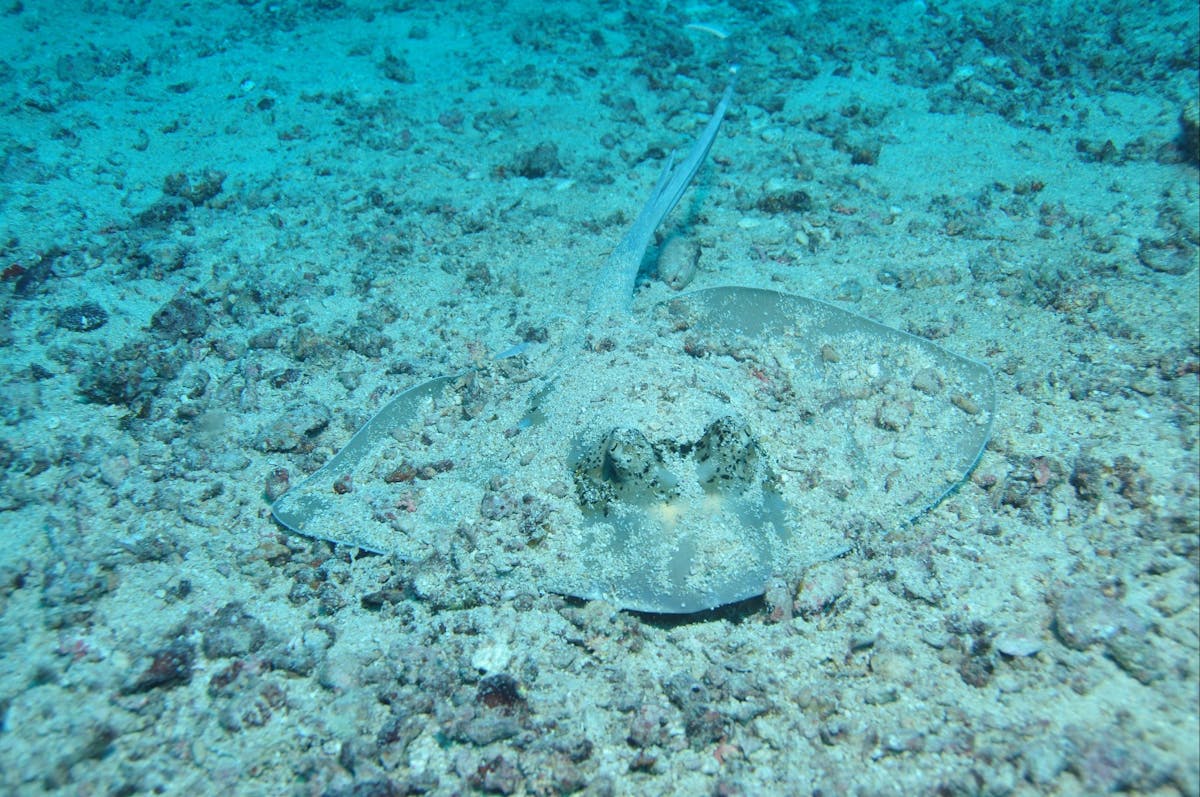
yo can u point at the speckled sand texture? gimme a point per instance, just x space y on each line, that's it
232 232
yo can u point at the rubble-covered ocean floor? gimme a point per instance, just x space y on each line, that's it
232 231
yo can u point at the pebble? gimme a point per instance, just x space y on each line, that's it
893 416
965 403
233 632
1084 616
182 318
492 657
936 638
649 727
1044 761
1017 644
916 582
881 695
84 317
488 728
1134 654
928 381
820 588
113 470
496 776
299 423
903 741
170 666
1168 256
339 672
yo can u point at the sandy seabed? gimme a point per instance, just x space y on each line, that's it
231 232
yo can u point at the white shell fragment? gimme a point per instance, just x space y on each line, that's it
1017 644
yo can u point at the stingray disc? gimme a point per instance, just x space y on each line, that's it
669 466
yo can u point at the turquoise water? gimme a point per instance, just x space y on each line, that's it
231 232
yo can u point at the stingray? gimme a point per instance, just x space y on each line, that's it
670 459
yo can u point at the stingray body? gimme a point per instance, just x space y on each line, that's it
671 460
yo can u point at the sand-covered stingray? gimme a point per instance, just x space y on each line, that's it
675 457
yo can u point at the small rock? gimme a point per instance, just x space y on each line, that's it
893 416
196 189
1017 644
820 588
1134 654
928 381
541 161
233 632
784 200
1189 131
113 470
499 691
497 776
488 728
1084 616
182 318
1044 760
170 666
917 581
84 317
648 727
903 741
1174 256
1087 477
293 430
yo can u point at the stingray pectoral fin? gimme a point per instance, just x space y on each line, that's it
318 507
